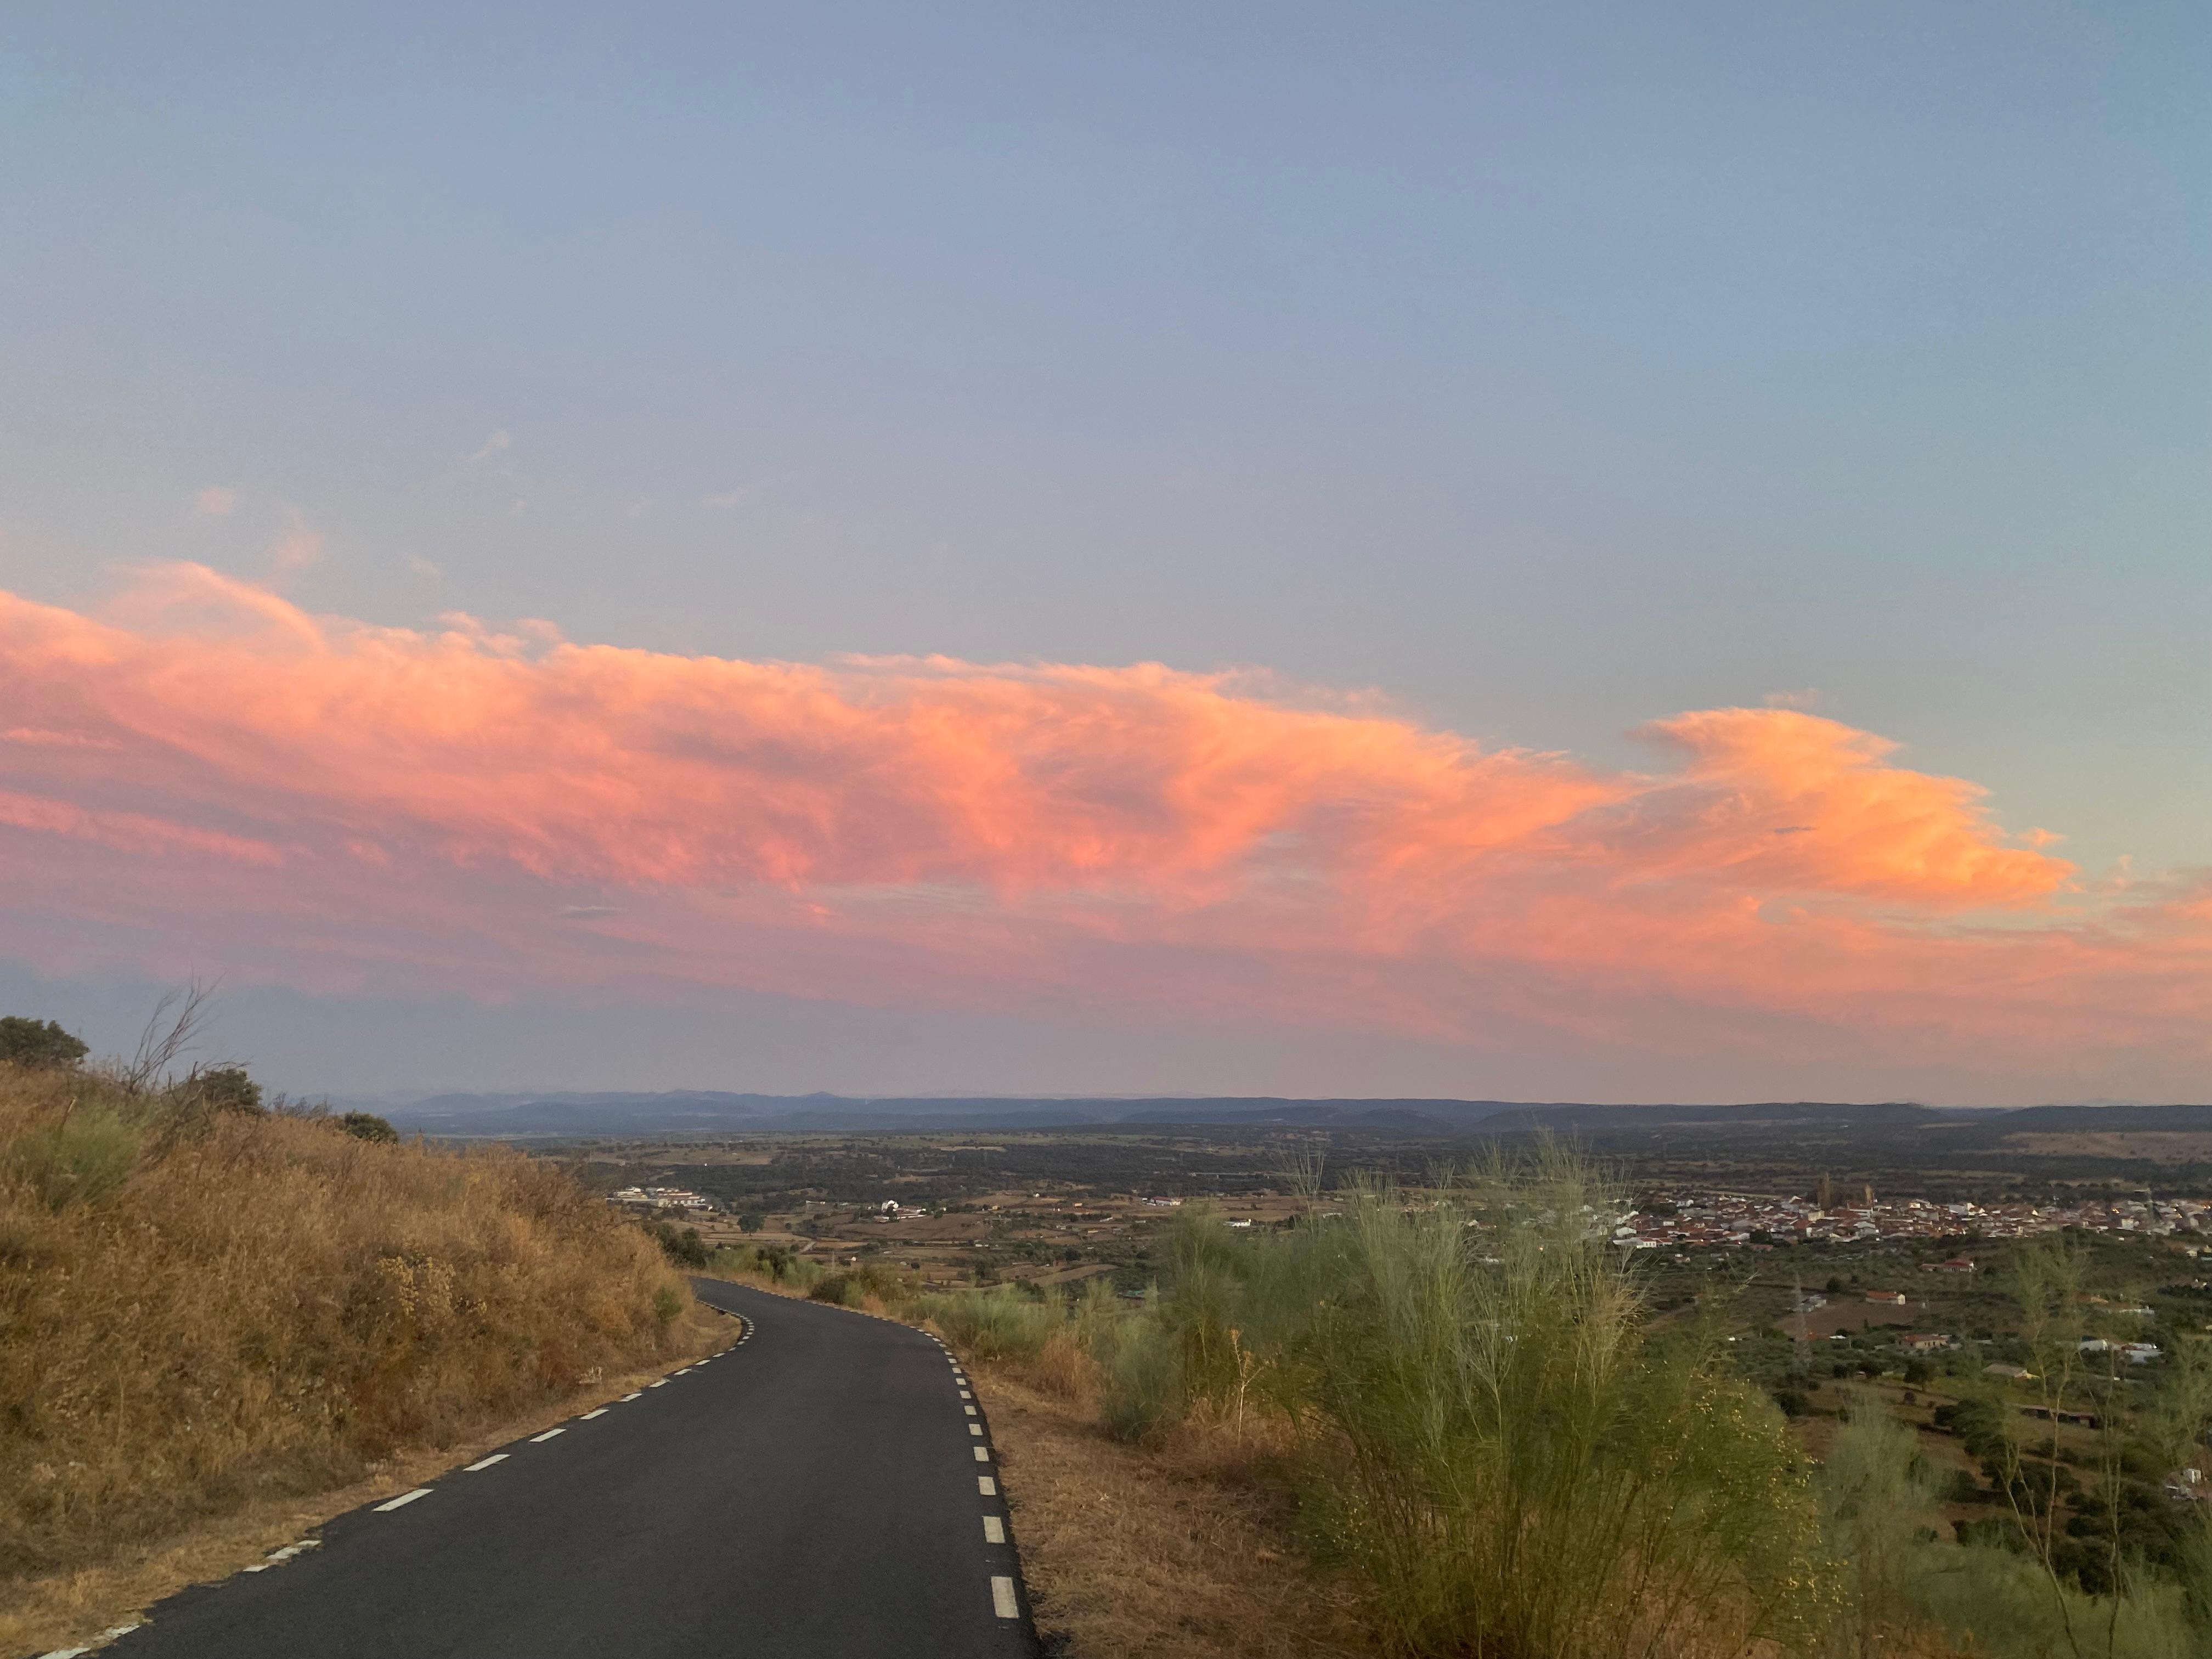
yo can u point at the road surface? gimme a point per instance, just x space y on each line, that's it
826 1487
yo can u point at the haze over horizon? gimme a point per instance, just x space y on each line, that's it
1567 554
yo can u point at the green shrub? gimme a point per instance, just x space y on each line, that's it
36 1045
1998 1597
368 1126
682 1245
220 1089
996 1323
83 1157
1509 1463
1877 1510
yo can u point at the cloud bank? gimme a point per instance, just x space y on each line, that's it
204 775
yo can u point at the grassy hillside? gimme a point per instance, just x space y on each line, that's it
203 1303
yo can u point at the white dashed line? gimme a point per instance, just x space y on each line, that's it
964 1394
588 1416
626 1399
404 1499
540 1439
1002 1599
982 1453
661 1384
986 1486
994 1530
485 1462
104 1636
970 1410
975 1429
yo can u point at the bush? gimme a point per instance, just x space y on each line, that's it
33 1045
997 1323
368 1126
773 1262
1490 1441
221 1088
1961 1487
83 1156
682 1245
1876 1514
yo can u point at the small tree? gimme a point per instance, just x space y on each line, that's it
225 1088
682 1246
368 1126
749 1222
38 1045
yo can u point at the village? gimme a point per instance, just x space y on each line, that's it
1760 1222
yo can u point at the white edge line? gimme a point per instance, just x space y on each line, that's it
1002 1599
987 1486
994 1530
404 1499
982 1455
540 1439
588 1416
485 1462
104 1636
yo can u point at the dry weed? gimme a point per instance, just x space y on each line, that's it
1177 1550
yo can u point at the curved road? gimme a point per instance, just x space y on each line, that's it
824 1488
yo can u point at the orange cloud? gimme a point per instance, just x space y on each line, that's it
208 768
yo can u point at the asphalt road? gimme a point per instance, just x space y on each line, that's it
824 1488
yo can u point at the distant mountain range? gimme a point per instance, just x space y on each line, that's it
711 1112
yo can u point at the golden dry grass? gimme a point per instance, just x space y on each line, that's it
233 1313
1180 1549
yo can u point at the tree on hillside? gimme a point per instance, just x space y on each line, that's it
225 1088
368 1126
39 1044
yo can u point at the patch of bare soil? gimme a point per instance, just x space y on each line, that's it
1181 1552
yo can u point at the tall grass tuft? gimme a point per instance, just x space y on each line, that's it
1496 1449
201 1306
999 1323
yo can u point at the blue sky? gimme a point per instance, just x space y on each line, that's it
1548 369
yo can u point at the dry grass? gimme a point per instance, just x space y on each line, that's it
1179 1549
214 1316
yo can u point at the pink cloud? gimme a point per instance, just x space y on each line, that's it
499 812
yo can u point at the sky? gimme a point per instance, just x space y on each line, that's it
1566 552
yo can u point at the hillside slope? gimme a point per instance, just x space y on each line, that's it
203 1304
